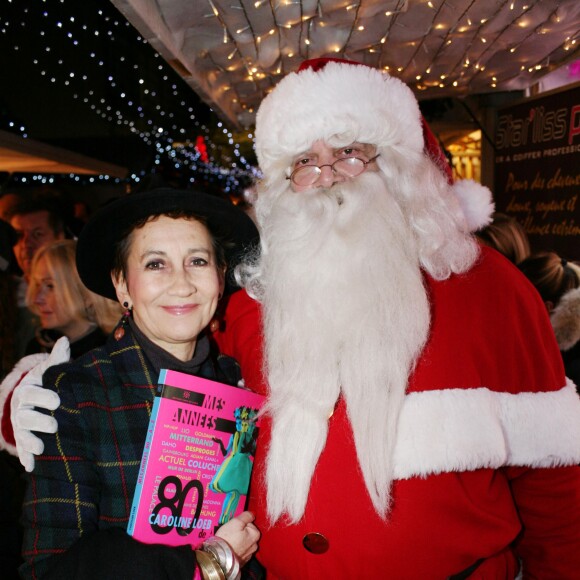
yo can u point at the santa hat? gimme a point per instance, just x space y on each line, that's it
341 101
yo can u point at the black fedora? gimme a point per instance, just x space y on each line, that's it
108 225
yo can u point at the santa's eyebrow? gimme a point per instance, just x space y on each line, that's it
365 148
305 154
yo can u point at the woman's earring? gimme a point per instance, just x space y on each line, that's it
120 330
216 324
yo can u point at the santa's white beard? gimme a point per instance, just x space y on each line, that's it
345 311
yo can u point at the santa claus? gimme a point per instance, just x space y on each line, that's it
420 419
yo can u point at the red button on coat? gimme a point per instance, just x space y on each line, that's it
315 543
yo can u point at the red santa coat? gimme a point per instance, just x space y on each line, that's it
486 432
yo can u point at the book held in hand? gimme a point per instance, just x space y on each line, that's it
197 460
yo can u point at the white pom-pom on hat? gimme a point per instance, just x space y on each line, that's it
476 202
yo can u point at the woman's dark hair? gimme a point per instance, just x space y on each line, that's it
551 275
507 236
121 255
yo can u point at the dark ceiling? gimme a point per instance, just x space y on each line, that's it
78 76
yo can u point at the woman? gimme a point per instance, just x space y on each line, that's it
63 303
552 276
163 254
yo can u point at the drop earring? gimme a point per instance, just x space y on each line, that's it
215 324
120 330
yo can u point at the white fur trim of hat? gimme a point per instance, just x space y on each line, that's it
340 103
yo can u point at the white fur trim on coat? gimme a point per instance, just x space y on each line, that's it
565 319
463 430
476 203
23 366
340 103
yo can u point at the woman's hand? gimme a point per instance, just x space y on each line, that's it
242 535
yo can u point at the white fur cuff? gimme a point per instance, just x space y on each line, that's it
468 429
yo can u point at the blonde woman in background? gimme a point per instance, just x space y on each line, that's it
64 305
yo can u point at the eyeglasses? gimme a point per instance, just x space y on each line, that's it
348 167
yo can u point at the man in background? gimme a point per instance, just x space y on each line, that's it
36 222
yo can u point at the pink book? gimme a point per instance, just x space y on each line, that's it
197 461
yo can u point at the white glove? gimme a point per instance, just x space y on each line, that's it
30 394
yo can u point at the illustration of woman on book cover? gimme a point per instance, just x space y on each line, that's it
233 477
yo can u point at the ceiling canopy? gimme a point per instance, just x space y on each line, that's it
232 52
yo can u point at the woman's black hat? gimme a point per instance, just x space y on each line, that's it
108 225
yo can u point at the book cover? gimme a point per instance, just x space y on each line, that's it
197 460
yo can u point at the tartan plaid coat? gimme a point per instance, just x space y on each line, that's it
81 490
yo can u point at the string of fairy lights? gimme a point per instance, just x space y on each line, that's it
89 51
265 39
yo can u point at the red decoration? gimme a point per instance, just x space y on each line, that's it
201 149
